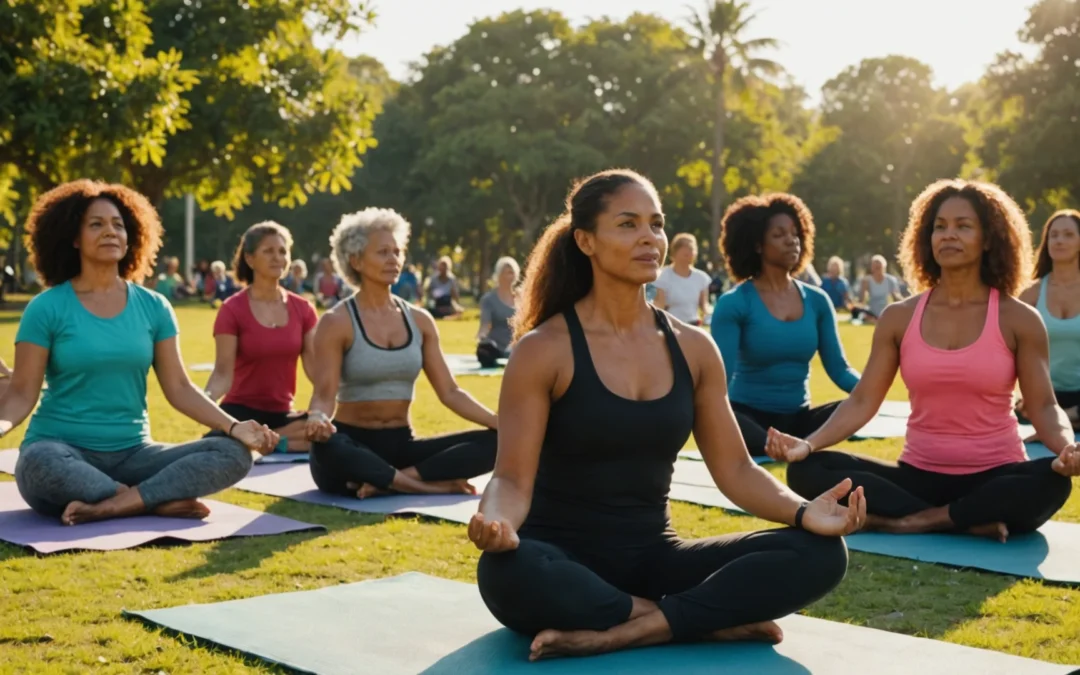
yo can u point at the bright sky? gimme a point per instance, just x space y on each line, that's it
957 38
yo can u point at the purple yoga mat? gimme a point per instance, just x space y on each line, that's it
293 481
19 525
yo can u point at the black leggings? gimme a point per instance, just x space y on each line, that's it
373 456
754 424
1023 495
702 585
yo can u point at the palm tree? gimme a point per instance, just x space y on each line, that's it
719 30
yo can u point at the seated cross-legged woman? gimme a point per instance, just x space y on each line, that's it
1056 295
369 352
260 333
497 308
93 337
600 394
771 325
960 346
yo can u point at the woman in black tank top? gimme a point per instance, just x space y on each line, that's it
599 396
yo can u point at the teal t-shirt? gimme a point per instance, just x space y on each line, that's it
97 368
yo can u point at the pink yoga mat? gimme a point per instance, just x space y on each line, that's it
293 481
19 525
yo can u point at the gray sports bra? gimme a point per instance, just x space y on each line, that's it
372 373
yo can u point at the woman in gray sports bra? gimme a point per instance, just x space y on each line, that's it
370 349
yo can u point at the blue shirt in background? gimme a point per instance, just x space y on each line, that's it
838 290
768 360
97 368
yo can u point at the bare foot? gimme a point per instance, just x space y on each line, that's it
554 643
183 508
766 631
81 512
365 490
456 487
992 530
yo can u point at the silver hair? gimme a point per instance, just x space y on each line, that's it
350 237
881 258
504 262
217 266
301 264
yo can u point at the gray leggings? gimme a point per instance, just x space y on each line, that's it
51 474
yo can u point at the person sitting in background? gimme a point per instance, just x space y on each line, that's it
770 325
260 333
878 289
1056 296
200 276
497 309
296 281
682 289
329 287
443 292
960 346
809 275
93 337
408 285
370 350
171 283
221 286
836 286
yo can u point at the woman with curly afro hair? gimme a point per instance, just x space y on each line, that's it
1055 295
961 344
93 337
770 326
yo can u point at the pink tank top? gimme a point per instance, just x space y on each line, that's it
962 417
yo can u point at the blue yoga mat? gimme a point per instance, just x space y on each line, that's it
1052 552
284 458
414 623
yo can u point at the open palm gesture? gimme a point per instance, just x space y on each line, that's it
826 516
785 447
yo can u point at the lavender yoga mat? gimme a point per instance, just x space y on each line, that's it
293 481
19 525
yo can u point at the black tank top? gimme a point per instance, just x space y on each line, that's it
606 464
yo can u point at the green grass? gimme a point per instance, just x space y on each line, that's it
61 613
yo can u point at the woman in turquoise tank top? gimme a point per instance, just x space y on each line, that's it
369 352
1056 294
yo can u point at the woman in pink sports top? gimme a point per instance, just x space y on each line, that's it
960 345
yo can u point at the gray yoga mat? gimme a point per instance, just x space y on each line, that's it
415 623
293 481
19 525
1051 553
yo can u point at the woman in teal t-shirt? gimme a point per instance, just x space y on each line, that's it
92 337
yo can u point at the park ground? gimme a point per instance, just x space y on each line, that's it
62 613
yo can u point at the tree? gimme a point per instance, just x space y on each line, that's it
896 133
720 29
222 99
1030 118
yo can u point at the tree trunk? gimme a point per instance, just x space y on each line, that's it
717 202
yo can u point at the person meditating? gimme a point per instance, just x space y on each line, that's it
682 289
497 308
770 326
600 394
960 345
92 337
1056 296
260 333
369 351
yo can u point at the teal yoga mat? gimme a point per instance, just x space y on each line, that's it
415 623
466 364
1051 553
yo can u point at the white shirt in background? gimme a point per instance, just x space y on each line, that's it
682 294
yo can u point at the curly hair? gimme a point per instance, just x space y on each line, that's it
744 226
1043 264
1006 262
557 273
351 235
249 243
56 220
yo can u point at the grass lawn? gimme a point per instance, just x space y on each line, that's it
61 613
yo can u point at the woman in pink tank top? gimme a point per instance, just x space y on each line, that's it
961 345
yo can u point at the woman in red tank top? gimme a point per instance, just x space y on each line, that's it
961 346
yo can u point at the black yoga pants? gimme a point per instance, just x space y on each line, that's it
1023 495
701 586
373 456
754 424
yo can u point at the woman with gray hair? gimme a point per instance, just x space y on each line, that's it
497 308
879 288
370 350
